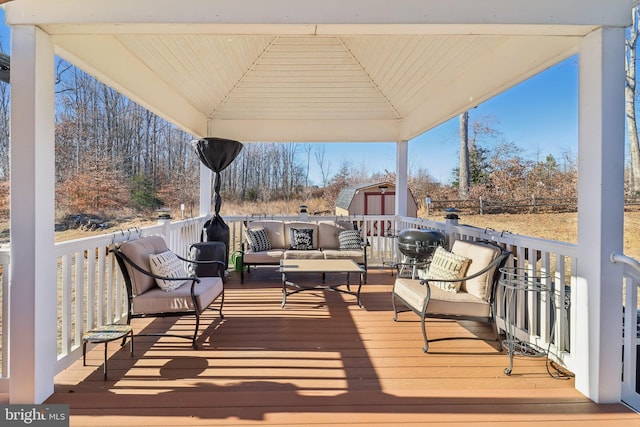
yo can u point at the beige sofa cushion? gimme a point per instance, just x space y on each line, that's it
303 254
275 232
158 301
272 256
138 251
481 255
328 232
355 254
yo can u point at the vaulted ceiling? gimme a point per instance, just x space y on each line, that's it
289 73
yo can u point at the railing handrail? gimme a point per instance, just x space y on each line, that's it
618 257
630 285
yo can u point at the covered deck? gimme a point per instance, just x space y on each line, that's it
420 63
321 360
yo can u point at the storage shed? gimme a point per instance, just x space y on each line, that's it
372 199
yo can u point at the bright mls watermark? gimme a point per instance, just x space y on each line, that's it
34 415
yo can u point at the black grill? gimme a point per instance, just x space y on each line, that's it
419 244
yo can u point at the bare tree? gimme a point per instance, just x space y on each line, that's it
308 148
630 98
323 163
4 131
464 180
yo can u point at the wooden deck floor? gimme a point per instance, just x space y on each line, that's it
320 361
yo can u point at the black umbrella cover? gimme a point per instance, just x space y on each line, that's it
217 154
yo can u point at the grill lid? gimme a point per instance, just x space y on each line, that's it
417 243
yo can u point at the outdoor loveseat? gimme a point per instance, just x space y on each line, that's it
269 241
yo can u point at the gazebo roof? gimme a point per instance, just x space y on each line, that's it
282 70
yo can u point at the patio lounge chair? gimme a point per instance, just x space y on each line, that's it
158 286
470 297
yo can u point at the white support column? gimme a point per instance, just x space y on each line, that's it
597 342
402 181
205 189
33 288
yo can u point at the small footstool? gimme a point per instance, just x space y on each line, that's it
105 334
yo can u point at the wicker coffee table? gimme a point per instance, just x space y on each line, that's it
347 266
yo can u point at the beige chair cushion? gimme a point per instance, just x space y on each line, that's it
481 255
448 266
138 251
275 231
442 302
158 301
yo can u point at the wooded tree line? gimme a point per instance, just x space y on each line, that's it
495 169
113 154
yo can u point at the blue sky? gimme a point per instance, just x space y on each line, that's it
539 116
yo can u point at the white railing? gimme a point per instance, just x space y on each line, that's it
539 320
544 322
631 282
91 290
90 287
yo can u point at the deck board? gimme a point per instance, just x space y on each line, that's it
320 361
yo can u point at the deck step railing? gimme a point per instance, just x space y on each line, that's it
631 331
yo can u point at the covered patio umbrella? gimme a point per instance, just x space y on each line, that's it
217 154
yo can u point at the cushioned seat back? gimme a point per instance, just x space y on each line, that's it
300 225
275 232
481 255
329 231
138 251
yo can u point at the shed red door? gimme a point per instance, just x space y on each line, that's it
376 203
379 204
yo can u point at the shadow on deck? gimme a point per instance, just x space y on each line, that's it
321 360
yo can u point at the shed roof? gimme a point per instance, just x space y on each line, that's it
347 194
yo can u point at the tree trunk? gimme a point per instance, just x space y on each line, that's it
464 176
630 95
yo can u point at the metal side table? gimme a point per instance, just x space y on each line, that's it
524 283
105 334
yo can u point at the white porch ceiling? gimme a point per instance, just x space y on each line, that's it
254 78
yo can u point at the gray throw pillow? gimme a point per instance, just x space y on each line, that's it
350 239
258 240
